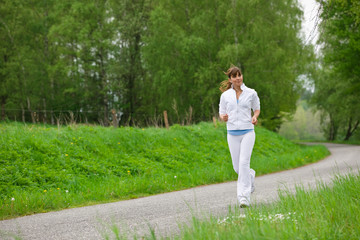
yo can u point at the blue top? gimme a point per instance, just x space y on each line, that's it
239 132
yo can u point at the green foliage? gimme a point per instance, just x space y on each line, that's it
338 83
190 44
304 125
144 57
46 168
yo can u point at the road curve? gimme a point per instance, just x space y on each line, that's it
164 212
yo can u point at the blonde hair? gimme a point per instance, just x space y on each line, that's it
233 71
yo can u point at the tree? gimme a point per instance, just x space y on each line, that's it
337 90
20 45
143 57
7 52
265 41
84 38
190 43
129 74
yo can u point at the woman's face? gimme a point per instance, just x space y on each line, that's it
237 80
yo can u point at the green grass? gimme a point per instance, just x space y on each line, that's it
44 168
324 213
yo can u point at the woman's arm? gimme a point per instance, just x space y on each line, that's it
224 117
222 109
255 116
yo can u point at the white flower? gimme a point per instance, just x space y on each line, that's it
12 199
175 177
67 191
279 216
230 219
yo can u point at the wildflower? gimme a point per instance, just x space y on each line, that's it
45 191
66 191
58 188
12 199
231 219
128 172
277 217
175 177
118 142
72 143
143 129
66 155
222 221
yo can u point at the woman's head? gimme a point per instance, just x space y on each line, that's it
234 74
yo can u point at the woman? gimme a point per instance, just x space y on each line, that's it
235 106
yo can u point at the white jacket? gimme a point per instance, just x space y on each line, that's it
239 112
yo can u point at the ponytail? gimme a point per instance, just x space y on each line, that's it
225 85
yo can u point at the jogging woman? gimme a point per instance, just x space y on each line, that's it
236 103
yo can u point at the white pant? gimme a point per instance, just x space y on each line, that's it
240 150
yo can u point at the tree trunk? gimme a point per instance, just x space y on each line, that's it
114 118
104 88
31 112
45 115
351 130
22 113
132 78
331 132
3 102
333 129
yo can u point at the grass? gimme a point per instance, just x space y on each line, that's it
327 212
45 168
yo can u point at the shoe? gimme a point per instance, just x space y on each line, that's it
244 203
252 174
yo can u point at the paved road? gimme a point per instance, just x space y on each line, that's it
164 212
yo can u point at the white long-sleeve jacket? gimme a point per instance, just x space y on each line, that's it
239 112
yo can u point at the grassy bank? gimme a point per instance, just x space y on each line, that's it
324 213
47 168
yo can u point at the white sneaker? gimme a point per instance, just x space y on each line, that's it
252 174
243 203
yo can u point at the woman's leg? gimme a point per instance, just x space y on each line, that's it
244 179
234 147
252 174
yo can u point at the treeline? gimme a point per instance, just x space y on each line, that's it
337 78
142 57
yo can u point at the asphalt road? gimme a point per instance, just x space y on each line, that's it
165 212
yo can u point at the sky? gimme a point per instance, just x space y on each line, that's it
310 8
309 28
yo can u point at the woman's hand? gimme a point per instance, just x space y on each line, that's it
255 116
254 120
224 117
